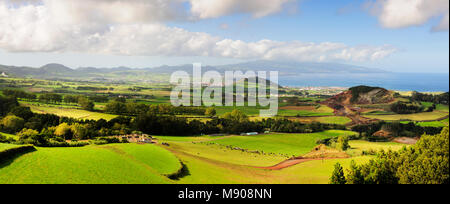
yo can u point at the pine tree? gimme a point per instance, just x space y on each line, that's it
338 176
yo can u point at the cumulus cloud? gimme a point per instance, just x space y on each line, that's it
50 26
406 13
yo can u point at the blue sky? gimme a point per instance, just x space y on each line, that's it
350 23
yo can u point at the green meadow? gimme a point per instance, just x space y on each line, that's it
124 163
6 146
358 146
283 144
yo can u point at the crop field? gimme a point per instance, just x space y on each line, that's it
71 112
282 144
124 163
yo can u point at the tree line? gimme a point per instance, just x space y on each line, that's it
425 163
46 129
396 129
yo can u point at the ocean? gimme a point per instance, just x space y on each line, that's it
422 82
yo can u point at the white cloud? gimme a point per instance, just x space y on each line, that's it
216 8
50 26
406 13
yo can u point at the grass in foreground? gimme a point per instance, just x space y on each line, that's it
109 164
211 171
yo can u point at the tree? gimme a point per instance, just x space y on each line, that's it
22 112
86 104
236 116
425 163
79 131
12 123
342 143
338 176
50 98
354 174
428 162
211 112
71 99
64 131
27 133
6 103
116 107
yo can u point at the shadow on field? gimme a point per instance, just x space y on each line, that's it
7 157
184 171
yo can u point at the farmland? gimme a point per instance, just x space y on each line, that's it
282 144
70 112
201 157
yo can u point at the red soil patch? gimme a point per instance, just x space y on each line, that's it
406 140
383 133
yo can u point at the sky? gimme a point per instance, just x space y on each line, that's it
395 35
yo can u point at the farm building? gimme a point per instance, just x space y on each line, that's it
249 134
137 138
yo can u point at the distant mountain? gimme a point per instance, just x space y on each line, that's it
284 68
58 71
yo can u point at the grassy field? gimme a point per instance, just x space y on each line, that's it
6 146
122 163
334 120
70 112
358 146
412 117
284 144
216 171
306 112
206 163
442 123
9 135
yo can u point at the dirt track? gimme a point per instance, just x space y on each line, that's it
292 162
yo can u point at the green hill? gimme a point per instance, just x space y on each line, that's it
109 164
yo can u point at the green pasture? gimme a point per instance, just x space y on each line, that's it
284 144
4 146
109 164
358 146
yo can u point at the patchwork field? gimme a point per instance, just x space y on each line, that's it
71 112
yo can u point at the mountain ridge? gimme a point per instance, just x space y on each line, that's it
54 70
